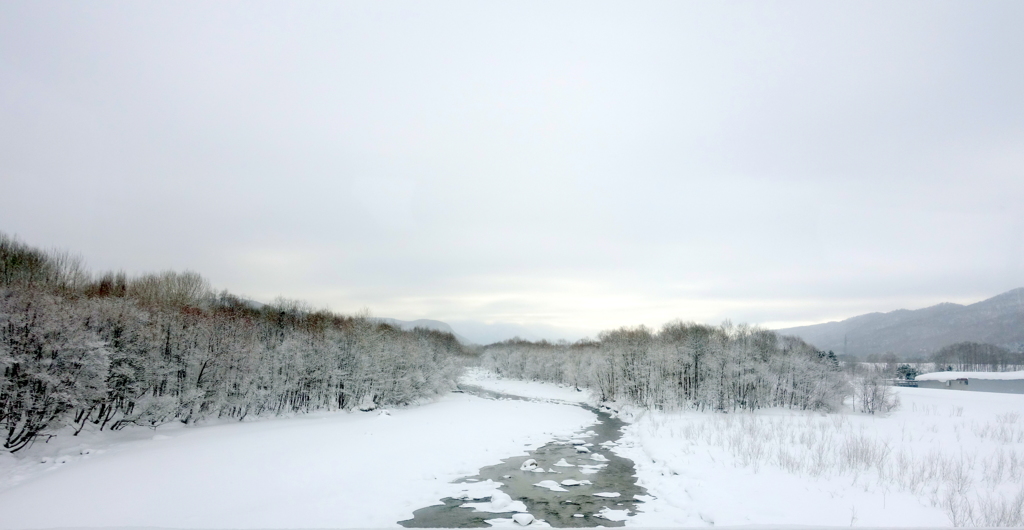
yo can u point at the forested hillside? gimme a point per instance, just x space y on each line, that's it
109 350
684 365
921 333
424 323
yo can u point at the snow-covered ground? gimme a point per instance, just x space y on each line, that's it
943 457
532 389
948 376
362 469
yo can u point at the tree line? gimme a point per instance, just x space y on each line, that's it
723 368
977 357
109 350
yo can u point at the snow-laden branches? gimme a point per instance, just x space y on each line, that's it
683 365
115 351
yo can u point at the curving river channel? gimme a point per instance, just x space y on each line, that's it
583 466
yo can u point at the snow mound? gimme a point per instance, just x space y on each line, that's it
599 457
563 463
367 404
528 465
500 500
510 523
608 494
580 449
573 482
613 515
577 442
523 519
551 485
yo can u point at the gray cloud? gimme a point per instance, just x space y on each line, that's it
554 167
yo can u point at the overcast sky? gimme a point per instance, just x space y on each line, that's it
547 169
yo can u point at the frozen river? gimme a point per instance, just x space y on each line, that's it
573 481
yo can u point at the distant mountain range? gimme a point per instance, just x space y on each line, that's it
424 323
913 333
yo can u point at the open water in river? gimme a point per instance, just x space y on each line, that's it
577 507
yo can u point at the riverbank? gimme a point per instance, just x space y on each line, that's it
942 458
527 389
572 481
360 469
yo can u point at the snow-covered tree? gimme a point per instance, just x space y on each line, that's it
113 351
52 365
683 365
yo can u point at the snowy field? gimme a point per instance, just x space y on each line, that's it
361 469
943 458
995 376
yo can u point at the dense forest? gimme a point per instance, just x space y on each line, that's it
109 350
687 365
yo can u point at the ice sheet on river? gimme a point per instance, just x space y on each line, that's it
591 469
551 485
500 502
476 491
